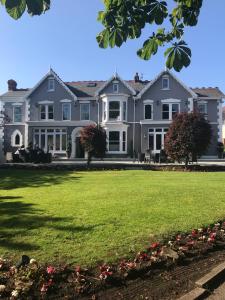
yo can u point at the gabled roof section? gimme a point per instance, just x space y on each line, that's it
209 92
115 77
166 72
54 75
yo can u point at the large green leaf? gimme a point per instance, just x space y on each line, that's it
149 48
103 39
15 8
178 56
37 7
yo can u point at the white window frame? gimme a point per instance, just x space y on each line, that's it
170 109
17 106
85 103
168 83
46 112
120 110
206 108
124 102
56 131
154 132
13 138
120 141
115 87
51 87
63 105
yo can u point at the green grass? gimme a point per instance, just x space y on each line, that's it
85 217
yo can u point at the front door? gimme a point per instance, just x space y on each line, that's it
79 148
156 139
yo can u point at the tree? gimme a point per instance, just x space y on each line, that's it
125 19
93 139
189 136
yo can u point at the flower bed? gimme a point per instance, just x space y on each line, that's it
29 280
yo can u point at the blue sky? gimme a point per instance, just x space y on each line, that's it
65 39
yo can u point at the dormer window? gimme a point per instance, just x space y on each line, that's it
115 87
165 83
51 85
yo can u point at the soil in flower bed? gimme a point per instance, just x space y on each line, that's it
167 285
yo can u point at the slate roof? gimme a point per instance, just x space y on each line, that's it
87 89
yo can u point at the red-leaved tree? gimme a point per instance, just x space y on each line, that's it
189 136
93 139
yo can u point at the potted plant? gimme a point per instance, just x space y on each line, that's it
220 149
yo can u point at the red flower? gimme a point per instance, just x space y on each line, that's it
51 270
154 245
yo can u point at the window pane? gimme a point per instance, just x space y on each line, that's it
36 140
57 142
42 141
17 139
158 141
115 88
114 141
202 108
43 114
148 111
66 111
124 111
85 108
64 138
165 111
17 114
51 84
114 110
50 142
151 142
175 109
165 83
50 112
124 140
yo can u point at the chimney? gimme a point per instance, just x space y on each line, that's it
136 77
12 85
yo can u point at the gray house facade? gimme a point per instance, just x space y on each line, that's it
136 114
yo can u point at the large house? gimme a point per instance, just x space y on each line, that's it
136 114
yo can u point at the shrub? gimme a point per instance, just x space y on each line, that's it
189 136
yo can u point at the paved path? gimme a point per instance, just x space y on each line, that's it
218 294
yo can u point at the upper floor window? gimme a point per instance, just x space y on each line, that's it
124 111
85 111
51 85
169 110
202 108
46 112
165 83
66 111
148 111
17 113
114 110
115 88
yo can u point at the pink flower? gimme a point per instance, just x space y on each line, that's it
51 270
44 288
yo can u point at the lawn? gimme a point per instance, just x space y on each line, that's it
85 217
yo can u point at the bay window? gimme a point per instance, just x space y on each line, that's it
114 141
114 110
202 109
85 111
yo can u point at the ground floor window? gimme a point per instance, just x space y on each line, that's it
53 140
156 139
117 141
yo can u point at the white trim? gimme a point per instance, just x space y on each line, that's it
53 88
65 101
46 105
193 94
170 109
190 104
13 136
114 77
53 74
74 134
45 102
17 104
202 102
84 102
60 123
161 122
148 101
171 100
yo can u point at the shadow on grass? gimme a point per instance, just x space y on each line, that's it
19 219
12 179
